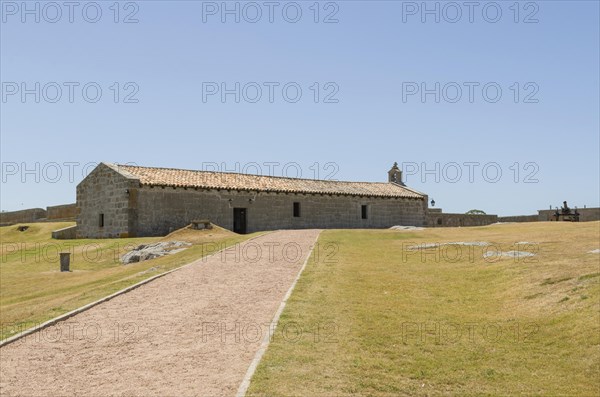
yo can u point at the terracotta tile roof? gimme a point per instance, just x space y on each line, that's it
234 181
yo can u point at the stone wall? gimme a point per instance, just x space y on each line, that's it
162 210
65 212
440 219
23 216
66 233
585 214
518 218
105 192
61 212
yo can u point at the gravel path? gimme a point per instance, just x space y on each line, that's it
193 332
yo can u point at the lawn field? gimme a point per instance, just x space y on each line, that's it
33 290
371 317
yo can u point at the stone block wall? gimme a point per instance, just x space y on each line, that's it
61 212
440 219
106 192
66 233
22 216
518 218
161 210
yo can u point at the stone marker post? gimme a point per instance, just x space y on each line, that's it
65 260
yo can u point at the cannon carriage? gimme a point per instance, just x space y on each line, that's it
565 214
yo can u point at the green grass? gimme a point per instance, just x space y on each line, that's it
587 276
33 290
378 320
551 282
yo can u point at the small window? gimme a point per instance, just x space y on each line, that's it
101 220
363 212
296 210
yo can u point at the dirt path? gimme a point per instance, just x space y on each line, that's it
191 333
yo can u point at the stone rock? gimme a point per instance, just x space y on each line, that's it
465 243
405 228
509 254
146 252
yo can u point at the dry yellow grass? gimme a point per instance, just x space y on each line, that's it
374 318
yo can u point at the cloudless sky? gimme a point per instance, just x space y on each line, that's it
370 63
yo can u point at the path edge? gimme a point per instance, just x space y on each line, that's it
274 322
84 308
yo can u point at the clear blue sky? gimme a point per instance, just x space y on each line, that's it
374 58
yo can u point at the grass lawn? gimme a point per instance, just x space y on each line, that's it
33 290
370 317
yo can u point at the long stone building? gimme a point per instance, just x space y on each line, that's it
131 201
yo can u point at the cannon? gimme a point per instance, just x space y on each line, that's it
565 214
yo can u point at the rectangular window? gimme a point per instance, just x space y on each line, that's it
101 220
363 212
296 210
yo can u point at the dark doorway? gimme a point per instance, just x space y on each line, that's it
239 220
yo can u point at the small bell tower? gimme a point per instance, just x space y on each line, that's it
395 175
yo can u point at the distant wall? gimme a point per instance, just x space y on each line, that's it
436 218
62 212
585 214
23 216
440 219
518 218
66 212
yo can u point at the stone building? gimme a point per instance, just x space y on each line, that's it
131 201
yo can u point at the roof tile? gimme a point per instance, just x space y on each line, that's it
234 181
